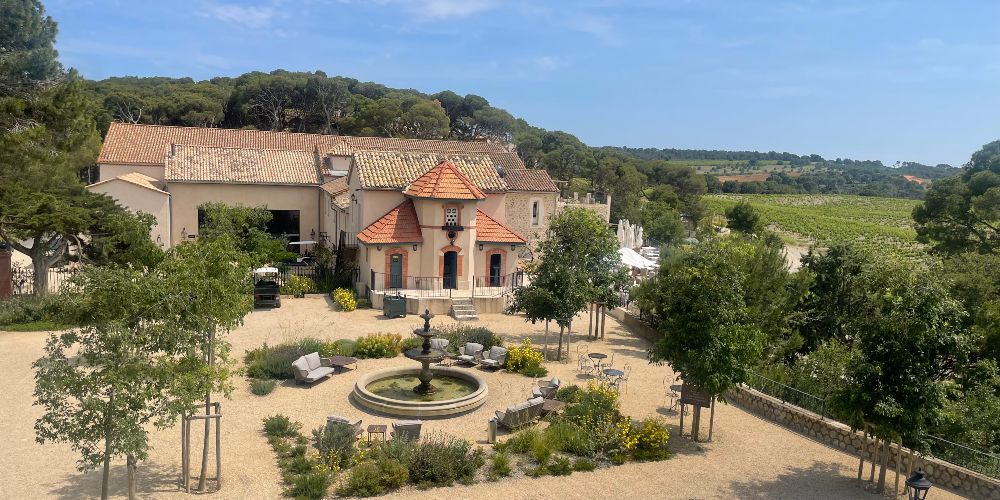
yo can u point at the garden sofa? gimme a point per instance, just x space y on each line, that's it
311 367
520 414
339 420
494 358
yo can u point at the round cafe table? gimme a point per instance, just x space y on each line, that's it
613 372
597 358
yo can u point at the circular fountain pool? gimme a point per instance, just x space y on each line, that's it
390 391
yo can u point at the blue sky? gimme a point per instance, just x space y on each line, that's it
866 79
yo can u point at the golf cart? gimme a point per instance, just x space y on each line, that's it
266 290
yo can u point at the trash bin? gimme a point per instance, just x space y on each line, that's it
491 432
394 306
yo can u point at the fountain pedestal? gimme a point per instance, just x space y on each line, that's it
426 355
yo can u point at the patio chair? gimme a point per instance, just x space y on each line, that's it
311 367
407 429
439 344
340 420
608 363
470 353
586 366
546 388
622 380
494 358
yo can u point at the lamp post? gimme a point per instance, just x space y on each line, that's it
918 485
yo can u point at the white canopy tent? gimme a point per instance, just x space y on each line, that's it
632 259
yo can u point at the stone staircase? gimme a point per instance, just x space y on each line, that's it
462 309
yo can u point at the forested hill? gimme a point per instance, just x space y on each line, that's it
318 103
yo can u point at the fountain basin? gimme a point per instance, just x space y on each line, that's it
390 391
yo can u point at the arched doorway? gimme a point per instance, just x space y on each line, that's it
450 272
496 269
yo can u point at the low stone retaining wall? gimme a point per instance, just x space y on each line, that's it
840 436
635 325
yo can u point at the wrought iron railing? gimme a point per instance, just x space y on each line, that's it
980 461
417 286
497 285
23 279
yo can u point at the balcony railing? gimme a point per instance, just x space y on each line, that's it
416 286
497 285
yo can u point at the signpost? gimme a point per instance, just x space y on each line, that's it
698 398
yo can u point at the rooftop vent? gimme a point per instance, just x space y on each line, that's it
500 171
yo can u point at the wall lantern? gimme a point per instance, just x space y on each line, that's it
481 247
414 247
918 485
184 232
513 247
312 234
159 240
378 247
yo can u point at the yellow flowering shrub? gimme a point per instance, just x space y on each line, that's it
298 286
526 359
378 345
651 440
344 299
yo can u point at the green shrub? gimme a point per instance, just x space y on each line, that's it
522 441
276 361
561 466
262 387
411 343
279 426
460 334
569 437
541 450
569 394
393 473
525 359
440 461
500 466
296 464
363 303
345 299
652 440
335 443
311 485
378 345
345 347
298 286
583 465
50 309
365 481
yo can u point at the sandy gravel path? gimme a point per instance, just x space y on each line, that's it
749 458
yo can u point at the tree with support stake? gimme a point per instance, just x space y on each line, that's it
140 357
578 265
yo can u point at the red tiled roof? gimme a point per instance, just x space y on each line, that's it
521 179
399 225
444 182
489 230
240 165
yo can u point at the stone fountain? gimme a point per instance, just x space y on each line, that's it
426 355
407 391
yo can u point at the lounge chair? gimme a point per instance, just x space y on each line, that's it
494 358
339 420
439 344
311 367
407 429
546 388
520 414
470 353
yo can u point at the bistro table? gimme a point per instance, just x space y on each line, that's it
552 405
613 372
342 362
374 429
597 358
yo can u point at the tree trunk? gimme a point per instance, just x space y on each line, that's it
106 474
545 341
130 462
559 355
208 411
695 422
882 467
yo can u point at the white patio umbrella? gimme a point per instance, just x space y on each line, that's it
621 232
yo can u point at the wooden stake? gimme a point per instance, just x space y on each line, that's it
899 459
682 419
874 460
218 447
861 454
590 326
711 421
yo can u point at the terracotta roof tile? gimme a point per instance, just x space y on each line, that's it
399 225
530 180
397 169
489 230
241 166
444 182
138 144
339 189
138 179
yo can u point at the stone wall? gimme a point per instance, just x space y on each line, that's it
635 325
603 210
840 436
518 212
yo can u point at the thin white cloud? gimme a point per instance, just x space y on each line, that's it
550 63
599 27
442 9
248 16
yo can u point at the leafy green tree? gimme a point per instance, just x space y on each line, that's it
962 213
42 201
578 264
247 226
146 354
912 340
832 301
662 223
974 279
27 48
743 217
122 238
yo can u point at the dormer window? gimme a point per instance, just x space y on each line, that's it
451 216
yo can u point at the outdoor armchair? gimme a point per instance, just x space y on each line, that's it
439 344
494 358
311 367
407 429
339 420
546 388
470 353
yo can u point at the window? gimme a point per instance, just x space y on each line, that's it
451 216
535 212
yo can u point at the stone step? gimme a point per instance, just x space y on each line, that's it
463 309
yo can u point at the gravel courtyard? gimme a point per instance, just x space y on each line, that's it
749 457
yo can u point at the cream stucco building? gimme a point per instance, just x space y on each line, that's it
471 208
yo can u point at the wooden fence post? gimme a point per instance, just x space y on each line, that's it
6 273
